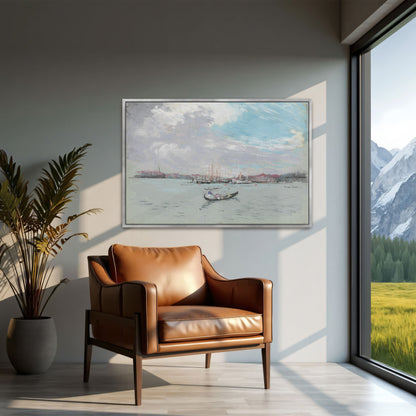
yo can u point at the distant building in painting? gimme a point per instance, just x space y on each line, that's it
264 178
240 179
150 174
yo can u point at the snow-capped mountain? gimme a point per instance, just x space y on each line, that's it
400 167
379 158
394 151
393 201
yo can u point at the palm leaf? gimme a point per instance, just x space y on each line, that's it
57 186
32 227
15 202
53 238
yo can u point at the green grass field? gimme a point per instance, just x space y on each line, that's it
393 321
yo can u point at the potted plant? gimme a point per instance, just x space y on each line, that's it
34 231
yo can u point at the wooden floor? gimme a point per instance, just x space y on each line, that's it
172 388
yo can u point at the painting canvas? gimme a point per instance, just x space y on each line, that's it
228 163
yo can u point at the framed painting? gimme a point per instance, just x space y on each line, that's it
225 163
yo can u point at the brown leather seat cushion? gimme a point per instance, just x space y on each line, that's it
199 322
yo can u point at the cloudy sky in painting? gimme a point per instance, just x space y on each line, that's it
234 137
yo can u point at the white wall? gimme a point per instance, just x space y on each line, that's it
65 68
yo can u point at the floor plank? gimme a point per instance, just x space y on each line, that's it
189 389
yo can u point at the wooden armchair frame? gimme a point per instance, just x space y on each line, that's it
138 357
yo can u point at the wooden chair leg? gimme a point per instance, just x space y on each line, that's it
265 355
137 363
87 348
87 362
208 360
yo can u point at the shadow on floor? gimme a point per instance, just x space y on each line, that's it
50 386
323 400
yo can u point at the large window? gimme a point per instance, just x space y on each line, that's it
383 199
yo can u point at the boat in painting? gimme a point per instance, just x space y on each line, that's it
209 196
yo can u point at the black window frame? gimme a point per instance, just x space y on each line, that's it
359 156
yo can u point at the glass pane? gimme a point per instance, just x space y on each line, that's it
393 200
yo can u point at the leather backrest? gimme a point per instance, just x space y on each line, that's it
176 271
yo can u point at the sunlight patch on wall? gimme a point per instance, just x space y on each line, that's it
317 94
302 295
107 196
319 178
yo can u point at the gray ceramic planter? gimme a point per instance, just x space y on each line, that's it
31 344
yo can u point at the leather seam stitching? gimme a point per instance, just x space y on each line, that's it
114 264
209 319
228 334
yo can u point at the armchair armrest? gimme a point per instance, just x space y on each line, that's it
124 299
249 293
141 297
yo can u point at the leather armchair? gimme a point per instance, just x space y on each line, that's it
158 302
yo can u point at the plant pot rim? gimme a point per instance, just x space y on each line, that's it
21 318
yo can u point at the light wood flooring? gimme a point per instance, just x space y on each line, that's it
174 388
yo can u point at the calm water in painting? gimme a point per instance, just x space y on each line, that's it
177 201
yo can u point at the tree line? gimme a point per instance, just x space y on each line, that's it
392 260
